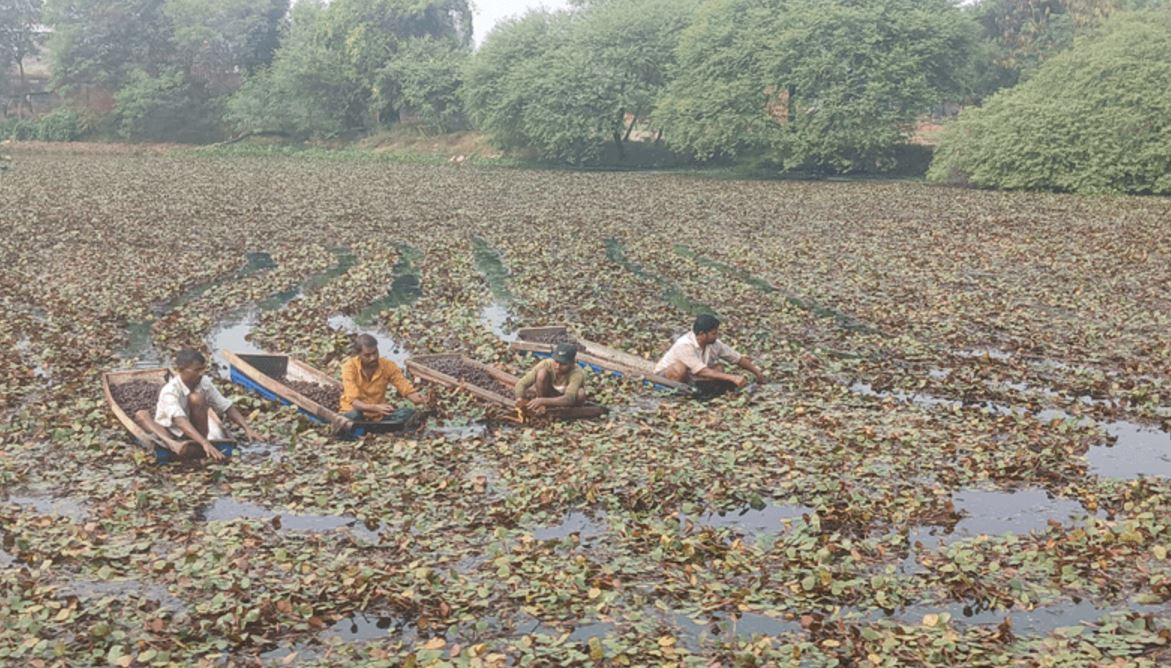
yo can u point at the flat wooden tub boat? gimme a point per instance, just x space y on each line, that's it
486 382
273 377
597 357
150 434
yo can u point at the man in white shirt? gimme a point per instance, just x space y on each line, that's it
694 357
187 399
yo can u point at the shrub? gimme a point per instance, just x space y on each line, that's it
61 124
1096 118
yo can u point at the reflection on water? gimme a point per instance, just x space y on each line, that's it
769 518
998 512
362 626
234 333
388 347
1042 620
490 264
499 320
139 343
51 506
724 628
1137 451
226 509
121 589
574 522
406 287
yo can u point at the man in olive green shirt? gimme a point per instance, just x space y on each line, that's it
552 382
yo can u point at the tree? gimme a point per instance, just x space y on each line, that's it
424 78
218 41
1021 34
1094 118
166 62
102 41
20 37
818 85
332 72
564 83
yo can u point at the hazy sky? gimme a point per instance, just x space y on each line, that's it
488 12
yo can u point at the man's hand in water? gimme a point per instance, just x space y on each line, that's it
211 451
760 378
253 436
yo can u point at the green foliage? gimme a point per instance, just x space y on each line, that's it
1093 119
1022 34
19 129
61 124
339 69
167 62
217 40
102 41
164 107
426 75
20 36
563 84
812 85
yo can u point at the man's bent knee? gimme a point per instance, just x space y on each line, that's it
196 399
676 372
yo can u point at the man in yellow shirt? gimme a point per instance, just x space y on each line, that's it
552 382
365 379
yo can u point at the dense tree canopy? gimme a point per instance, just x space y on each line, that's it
1094 118
20 37
813 84
343 67
168 63
565 84
1022 34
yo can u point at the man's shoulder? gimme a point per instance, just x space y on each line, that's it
171 385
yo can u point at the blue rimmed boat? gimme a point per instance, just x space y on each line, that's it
270 375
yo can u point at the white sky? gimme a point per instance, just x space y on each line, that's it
489 12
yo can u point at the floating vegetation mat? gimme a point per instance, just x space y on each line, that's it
960 455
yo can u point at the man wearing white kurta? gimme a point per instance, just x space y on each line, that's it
186 401
695 356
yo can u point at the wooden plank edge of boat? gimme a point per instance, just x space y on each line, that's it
165 446
521 344
417 366
279 390
599 356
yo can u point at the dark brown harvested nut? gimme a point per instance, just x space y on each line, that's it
473 375
329 396
136 395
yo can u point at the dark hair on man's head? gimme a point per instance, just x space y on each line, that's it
187 358
363 343
705 322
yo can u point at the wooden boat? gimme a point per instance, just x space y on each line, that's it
267 375
422 367
145 430
597 357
